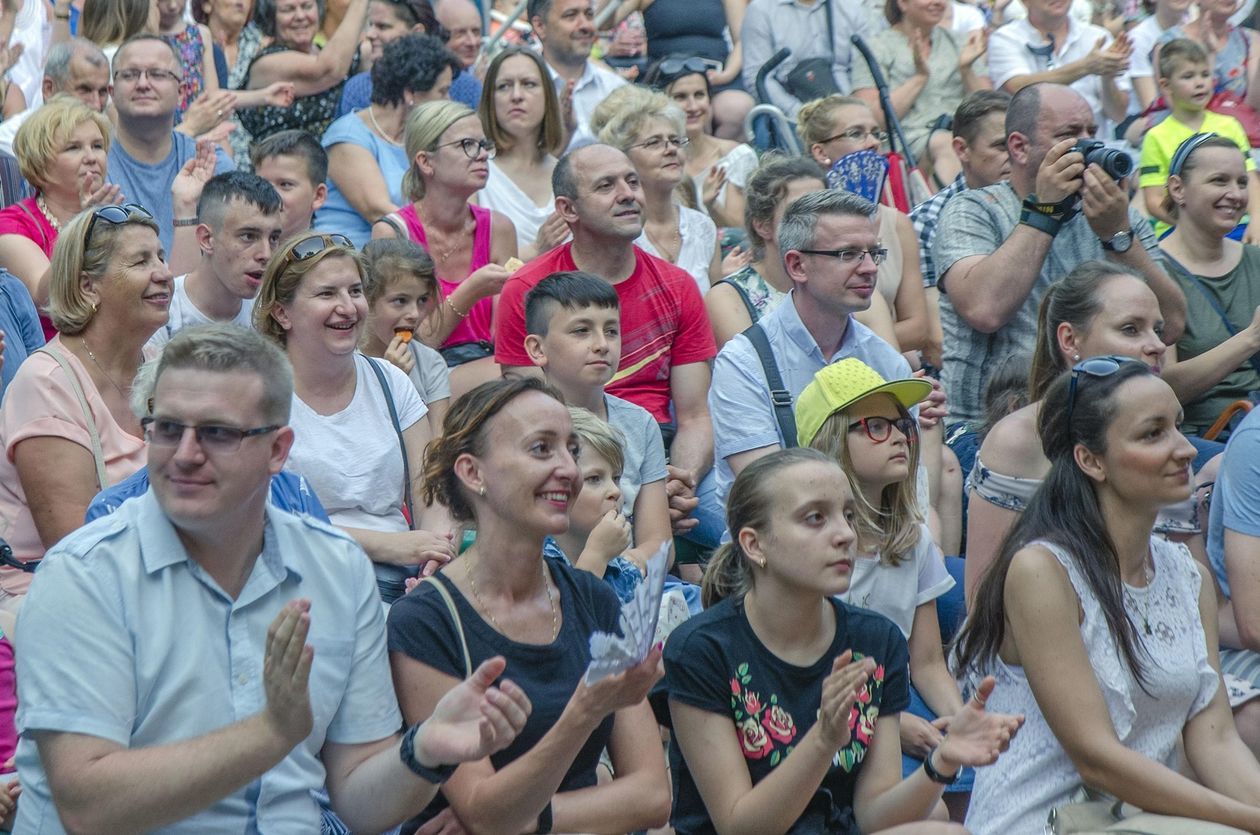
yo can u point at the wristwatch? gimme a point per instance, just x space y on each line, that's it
934 775
1119 242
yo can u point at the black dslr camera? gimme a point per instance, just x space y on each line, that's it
1117 164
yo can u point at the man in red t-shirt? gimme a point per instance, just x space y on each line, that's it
665 334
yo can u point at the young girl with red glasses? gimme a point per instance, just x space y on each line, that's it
850 413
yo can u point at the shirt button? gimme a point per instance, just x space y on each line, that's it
242 679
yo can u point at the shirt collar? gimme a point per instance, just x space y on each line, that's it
794 329
588 75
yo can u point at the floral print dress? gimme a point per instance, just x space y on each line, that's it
716 663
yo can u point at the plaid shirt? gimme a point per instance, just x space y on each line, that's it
924 217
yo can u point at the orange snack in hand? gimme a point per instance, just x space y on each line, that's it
403 332
513 264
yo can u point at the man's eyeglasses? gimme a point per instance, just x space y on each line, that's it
164 432
879 429
131 76
657 143
1103 366
114 215
311 246
472 148
857 135
850 256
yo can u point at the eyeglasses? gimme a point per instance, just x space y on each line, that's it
164 432
850 256
114 215
657 143
1103 366
857 135
879 429
315 244
472 148
131 76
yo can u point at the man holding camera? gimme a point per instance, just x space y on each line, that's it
998 248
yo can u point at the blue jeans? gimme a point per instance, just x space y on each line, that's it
710 514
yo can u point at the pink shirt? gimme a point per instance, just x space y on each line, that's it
40 403
25 218
476 327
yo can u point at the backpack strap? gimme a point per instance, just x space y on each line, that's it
780 397
402 444
98 454
459 625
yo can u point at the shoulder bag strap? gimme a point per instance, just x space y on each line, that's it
1216 305
459 625
753 315
402 445
393 224
43 236
98 454
831 35
780 397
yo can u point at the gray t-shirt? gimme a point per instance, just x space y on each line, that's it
644 450
977 222
430 374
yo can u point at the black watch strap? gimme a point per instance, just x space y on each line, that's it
934 775
407 753
1041 222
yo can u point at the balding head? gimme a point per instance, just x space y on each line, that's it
462 19
598 194
1039 116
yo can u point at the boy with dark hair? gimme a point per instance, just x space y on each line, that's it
297 165
573 322
238 227
1184 75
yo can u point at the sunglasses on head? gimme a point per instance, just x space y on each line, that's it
1103 366
313 245
114 215
672 69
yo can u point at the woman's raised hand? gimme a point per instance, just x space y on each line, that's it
94 191
551 233
839 693
977 44
625 689
977 737
474 719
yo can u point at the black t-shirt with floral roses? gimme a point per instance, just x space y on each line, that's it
715 662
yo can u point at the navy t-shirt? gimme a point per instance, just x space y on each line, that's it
420 626
715 662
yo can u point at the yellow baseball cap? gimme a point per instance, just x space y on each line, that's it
842 384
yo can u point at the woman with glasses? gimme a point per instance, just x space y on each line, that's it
652 131
359 421
449 163
317 73
520 113
1101 633
832 129
63 152
1220 276
506 464
66 424
719 168
387 21
366 161
929 70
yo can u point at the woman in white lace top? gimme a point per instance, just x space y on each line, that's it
1101 634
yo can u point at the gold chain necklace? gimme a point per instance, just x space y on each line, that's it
663 251
555 615
101 368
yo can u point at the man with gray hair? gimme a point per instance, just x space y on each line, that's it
226 659
77 67
831 251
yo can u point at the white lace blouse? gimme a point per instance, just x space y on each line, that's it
1016 794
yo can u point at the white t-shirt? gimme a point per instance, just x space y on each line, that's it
430 374
352 458
502 194
896 591
643 450
184 314
699 241
967 18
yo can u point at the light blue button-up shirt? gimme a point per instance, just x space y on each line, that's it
126 638
739 399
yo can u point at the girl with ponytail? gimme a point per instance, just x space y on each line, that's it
1102 634
778 665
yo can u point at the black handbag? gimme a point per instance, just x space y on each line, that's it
813 78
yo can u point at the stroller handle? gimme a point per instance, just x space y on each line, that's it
763 94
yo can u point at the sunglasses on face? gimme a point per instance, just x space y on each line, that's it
311 246
879 429
114 215
1103 366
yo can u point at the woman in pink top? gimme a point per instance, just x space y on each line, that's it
450 157
66 425
62 151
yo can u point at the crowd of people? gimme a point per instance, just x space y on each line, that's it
360 359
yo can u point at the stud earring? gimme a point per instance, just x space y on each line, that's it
1076 358
482 491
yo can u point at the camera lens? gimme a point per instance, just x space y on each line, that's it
1116 164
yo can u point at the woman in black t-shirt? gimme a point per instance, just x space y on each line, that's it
784 700
507 462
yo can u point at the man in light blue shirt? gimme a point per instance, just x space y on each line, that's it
830 250
201 661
